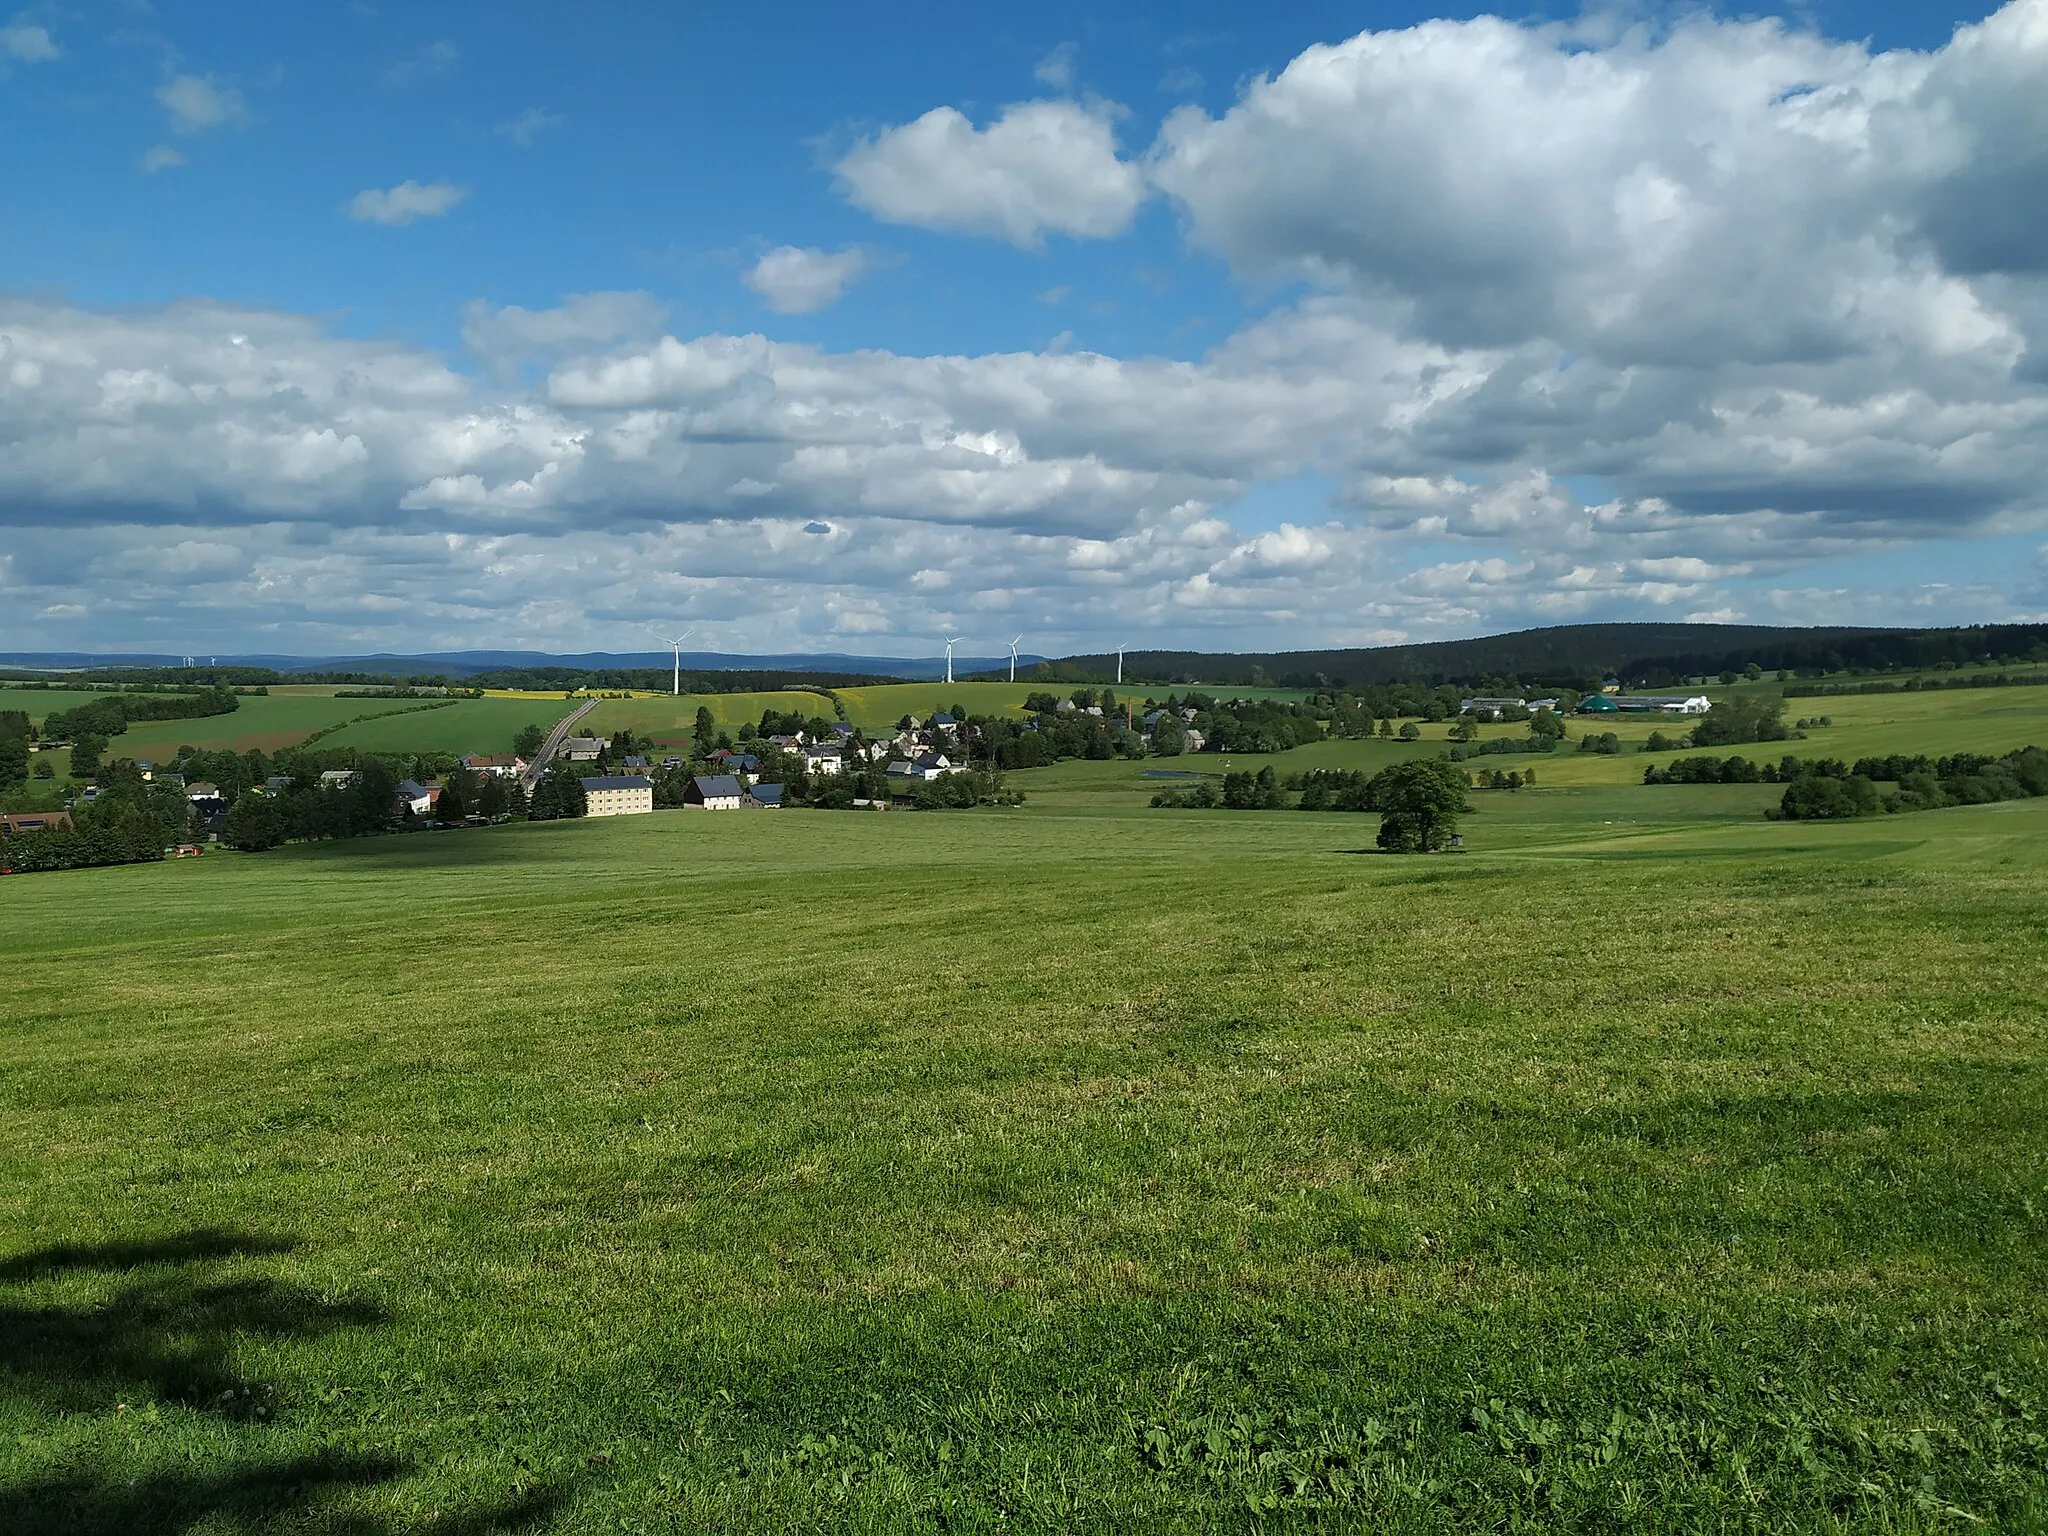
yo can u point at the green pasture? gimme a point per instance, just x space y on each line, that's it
469 725
879 707
668 719
279 720
1081 1167
38 702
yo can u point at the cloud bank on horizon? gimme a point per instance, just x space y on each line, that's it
1544 322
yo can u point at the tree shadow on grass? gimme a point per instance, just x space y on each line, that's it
160 1328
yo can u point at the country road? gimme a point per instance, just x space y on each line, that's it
552 745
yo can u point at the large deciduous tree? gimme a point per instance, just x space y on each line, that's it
1419 804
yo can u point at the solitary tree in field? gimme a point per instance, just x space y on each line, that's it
702 731
528 741
1419 804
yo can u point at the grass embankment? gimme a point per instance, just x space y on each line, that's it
812 1171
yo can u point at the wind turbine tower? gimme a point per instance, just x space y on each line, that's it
951 641
1013 659
1119 666
676 644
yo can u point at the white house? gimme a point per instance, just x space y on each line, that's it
337 778
713 792
926 765
417 798
502 766
624 794
823 760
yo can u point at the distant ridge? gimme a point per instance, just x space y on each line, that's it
1572 653
1565 654
473 663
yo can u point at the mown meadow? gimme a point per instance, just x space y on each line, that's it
1649 1166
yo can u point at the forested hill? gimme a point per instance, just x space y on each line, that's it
1649 655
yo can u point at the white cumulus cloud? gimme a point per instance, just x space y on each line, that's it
161 157
529 125
31 44
198 102
801 280
405 202
1042 167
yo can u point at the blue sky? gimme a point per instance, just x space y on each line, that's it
345 326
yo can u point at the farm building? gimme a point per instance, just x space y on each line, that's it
12 822
583 749
502 766
765 797
623 794
713 792
1645 704
1491 709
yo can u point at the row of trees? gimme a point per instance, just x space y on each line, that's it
1828 791
1418 802
112 714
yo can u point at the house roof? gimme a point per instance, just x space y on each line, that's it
716 786
745 760
942 718
618 781
767 794
410 790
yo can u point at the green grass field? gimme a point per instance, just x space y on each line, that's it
1649 1167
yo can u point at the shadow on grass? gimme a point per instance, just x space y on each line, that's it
158 1328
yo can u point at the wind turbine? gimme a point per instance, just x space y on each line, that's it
951 641
1013 659
676 645
1119 666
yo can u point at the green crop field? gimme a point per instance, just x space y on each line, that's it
1650 1166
